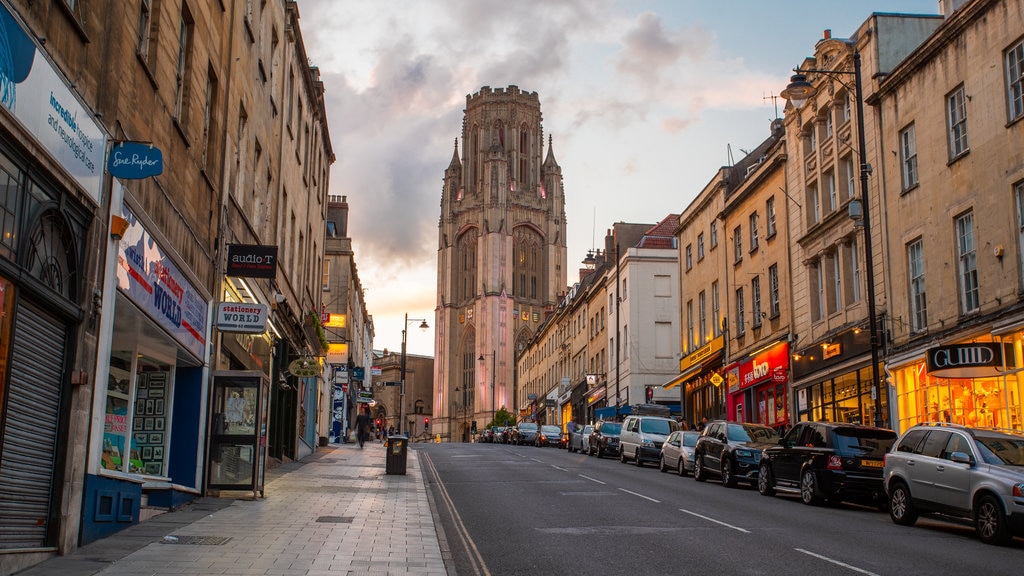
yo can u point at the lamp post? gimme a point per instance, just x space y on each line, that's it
481 359
401 400
798 92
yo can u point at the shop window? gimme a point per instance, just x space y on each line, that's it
135 433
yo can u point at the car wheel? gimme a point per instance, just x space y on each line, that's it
808 488
636 456
698 469
682 465
765 480
728 479
661 464
901 508
990 521
622 456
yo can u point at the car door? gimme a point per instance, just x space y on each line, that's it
672 448
786 460
953 479
925 467
713 446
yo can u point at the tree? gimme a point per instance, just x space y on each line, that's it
503 418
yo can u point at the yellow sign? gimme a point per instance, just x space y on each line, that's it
336 321
701 354
716 379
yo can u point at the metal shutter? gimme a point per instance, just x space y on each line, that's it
27 455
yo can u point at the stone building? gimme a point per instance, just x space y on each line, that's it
501 256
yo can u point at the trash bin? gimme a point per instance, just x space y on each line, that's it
397 454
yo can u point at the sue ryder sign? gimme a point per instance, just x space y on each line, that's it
135 160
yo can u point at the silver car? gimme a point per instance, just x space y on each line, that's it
953 470
677 452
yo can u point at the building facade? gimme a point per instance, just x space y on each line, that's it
501 256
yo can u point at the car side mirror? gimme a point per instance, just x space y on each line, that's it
782 441
961 458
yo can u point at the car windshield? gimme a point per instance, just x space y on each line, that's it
1001 449
874 443
750 433
550 430
587 429
611 428
658 426
528 427
690 438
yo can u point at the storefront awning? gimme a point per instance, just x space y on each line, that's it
684 376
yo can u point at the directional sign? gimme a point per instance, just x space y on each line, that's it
364 396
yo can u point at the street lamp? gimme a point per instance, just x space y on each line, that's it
401 402
798 92
481 359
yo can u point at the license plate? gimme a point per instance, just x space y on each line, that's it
872 463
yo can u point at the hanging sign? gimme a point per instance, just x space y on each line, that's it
251 261
242 318
135 160
974 360
304 367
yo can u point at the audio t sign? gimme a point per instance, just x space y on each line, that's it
252 261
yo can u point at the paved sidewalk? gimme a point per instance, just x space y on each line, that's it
336 512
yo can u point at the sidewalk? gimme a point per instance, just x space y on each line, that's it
336 512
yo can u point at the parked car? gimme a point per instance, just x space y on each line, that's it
731 450
971 473
642 436
827 461
579 439
551 436
604 438
525 433
677 452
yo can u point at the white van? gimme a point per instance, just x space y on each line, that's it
642 437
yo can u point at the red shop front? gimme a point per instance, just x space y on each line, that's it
758 387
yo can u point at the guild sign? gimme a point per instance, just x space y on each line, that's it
304 367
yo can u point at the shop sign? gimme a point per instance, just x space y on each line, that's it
762 366
304 367
596 394
36 95
974 360
135 160
243 318
251 261
702 353
148 277
779 375
365 396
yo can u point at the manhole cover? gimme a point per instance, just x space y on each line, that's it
196 540
335 519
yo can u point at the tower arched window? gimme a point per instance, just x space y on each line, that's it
464 277
524 153
528 264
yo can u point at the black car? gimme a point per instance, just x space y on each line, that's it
828 461
604 438
731 450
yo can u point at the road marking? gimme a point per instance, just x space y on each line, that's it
715 521
473 556
536 460
559 468
640 495
592 479
836 562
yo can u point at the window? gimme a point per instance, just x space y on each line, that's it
755 300
625 341
1018 191
769 210
969 297
700 246
716 309
846 107
773 290
812 140
209 123
833 194
1015 80
814 206
714 233
817 292
851 177
956 122
325 279
662 286
702 314
837 283
691 338
183 69
740 325
915 273
854 269
623 289
829 126
146 41
753 231
737 237
908 157
611 303
689 256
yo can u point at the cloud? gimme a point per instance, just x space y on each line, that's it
651 51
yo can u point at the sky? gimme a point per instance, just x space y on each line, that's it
644 100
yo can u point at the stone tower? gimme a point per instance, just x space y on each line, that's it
501 257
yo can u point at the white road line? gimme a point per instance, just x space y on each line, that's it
836 562
559 468
592 479
715 521
536 460
640 495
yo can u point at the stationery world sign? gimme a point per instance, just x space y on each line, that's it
148 277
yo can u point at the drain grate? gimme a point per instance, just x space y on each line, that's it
196 540
335 519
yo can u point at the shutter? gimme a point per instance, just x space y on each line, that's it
28 452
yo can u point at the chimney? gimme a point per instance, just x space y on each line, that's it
828 34
343 218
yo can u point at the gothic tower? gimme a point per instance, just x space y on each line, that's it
501 257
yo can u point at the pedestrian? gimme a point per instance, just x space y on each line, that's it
362 427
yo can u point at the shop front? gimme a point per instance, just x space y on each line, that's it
832 382
759 391
596 397
976 381
151 391
700 379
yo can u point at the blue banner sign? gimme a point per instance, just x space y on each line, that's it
135 160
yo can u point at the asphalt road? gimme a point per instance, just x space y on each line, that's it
509 510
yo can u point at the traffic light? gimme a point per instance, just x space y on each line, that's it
473 427
378 422
426 424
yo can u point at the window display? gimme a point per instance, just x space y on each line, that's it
136 416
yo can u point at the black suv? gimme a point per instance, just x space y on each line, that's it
604 438
731 450
828 461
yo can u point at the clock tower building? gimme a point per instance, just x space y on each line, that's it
501 258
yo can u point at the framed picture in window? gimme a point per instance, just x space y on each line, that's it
158 453
141 438
158 424
154 468
137 424
149 407
148 425
140 406
147 452
156 437
158 407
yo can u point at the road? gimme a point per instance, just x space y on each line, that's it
509 510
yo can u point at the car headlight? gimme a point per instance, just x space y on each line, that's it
740 453
1018 490
647 443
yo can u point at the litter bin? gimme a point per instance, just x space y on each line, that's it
397 454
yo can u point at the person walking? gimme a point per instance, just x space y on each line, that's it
362 427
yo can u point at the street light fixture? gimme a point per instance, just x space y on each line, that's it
481 359
798 92
401 402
